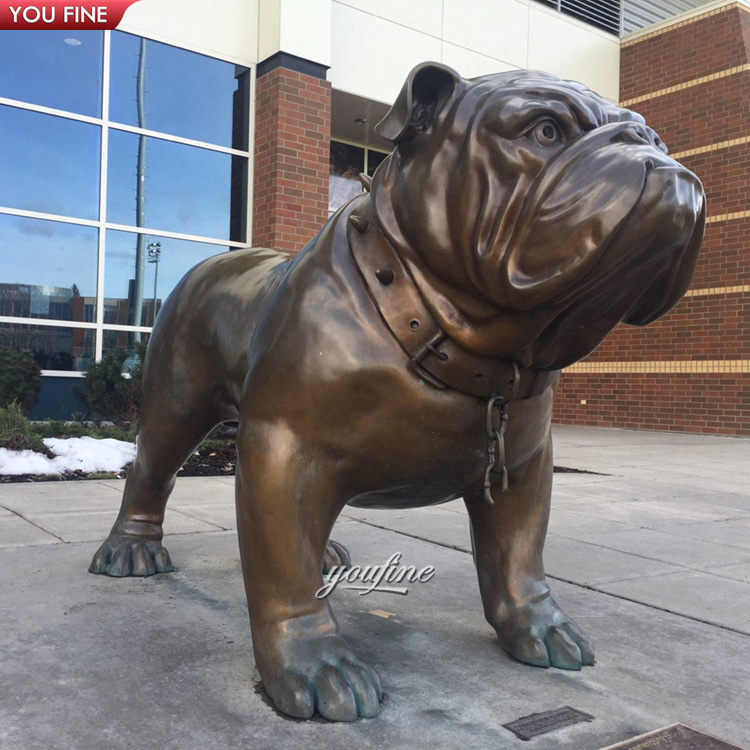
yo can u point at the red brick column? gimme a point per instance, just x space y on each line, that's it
292 142
689 371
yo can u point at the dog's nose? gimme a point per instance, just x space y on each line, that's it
634 132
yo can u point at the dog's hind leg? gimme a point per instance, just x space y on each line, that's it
176 415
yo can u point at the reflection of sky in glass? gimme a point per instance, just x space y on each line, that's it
187 188
346 163
51 165
341 190
48 164
42 68
176 258
48 253
187 94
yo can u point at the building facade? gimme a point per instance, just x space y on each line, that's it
128 156
689 371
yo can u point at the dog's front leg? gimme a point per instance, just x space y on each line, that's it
508 539
287 503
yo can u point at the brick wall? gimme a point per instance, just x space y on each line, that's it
690 371
292 141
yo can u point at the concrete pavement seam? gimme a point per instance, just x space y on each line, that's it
35 525
195 518
588 587
657 559
701 620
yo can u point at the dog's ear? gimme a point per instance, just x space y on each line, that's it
425 92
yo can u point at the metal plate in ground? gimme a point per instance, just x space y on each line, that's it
547 721
674 737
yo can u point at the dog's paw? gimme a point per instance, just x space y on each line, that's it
123 555
336 556
542 635
324 676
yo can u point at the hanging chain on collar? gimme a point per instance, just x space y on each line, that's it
496 424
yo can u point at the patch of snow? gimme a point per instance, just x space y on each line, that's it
86 454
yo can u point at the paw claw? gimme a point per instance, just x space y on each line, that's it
583 642
336 555
333 696
292 696
563 652
162 563
321 674
541 635
532 651
365 685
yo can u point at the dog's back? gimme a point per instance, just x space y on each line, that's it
217 304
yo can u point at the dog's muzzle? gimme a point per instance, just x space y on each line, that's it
612 202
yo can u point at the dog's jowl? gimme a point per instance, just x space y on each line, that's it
409 356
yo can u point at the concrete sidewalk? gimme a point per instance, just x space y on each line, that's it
650 555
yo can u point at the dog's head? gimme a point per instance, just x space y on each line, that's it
540 202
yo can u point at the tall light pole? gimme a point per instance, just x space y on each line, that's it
154 256
140 194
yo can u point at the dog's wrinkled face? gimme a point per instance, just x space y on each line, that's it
542 200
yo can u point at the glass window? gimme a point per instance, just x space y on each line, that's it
183 93
346 163
49 164
59 69
53 348
187 189
130 340
49 269
163 263
374 160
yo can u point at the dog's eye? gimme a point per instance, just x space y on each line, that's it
547 133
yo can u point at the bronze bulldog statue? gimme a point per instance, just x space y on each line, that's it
409 355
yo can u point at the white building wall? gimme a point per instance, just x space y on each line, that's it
299 27
571 49
226 29
374 43
370 45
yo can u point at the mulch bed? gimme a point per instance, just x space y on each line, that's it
217 463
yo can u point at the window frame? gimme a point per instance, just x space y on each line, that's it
102 224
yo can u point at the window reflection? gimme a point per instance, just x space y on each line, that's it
59 69
49 269
164 263
374 160
54 348
346 163
187 189
115 340
184 93
49 164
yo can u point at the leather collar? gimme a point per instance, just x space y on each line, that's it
435 358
